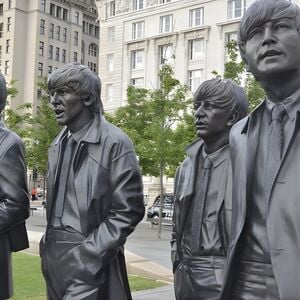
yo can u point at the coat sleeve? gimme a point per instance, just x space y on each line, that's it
127 209
14 202
174 253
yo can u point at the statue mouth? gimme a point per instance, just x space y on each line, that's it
270 53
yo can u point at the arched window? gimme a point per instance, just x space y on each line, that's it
92 50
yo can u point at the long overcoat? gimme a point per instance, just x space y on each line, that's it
186 184
14 205
109 193
283 221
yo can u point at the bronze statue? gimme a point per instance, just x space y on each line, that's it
94 194
263 258
202 209
14 201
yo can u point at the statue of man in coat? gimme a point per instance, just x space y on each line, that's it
202 209
14 200
263 258
94 194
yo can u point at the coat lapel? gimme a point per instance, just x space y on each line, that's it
53 166
189 186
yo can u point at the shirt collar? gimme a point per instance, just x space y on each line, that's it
80 134
291 105
216 157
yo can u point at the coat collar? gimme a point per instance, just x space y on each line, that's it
92 135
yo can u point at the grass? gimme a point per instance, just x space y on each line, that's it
29 282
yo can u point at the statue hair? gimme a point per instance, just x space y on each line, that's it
262 11
226 94
3 92
81 80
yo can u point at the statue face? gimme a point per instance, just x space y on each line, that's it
211 120
68 107
273 48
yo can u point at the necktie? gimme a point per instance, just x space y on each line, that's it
198 208
63 178
275 141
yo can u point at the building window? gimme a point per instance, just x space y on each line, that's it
166 54
112 8
7 45
52 9
97 31
196 49
9 4
43 5
164 1
195 79
166 24
231 36
91 29
137 82
236 8
137 4
75 57
50 68
57 54
137 59
6 67
58 33
51 31
1 30
76 38
110 62
76 17
50 54
196 17
64 34
63 56
1 9
42 27
8 23
138 30
65 14
92 50
111 34
41 49
40 69
109 92
92 66
58 12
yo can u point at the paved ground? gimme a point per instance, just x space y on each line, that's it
145 254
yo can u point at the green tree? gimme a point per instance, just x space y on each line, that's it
235 69
41 132
156 121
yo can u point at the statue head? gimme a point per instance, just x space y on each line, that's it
269 39
3 92
81 80
218 103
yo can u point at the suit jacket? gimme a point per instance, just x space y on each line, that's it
186 183
14 205
283 221
109 193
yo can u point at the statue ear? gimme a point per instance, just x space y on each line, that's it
233 118
89 100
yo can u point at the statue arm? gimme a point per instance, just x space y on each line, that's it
127 209
173 242
14 202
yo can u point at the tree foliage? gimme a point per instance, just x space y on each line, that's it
43 129
37 130
158 122
235 69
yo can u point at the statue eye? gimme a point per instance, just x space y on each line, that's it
254 31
